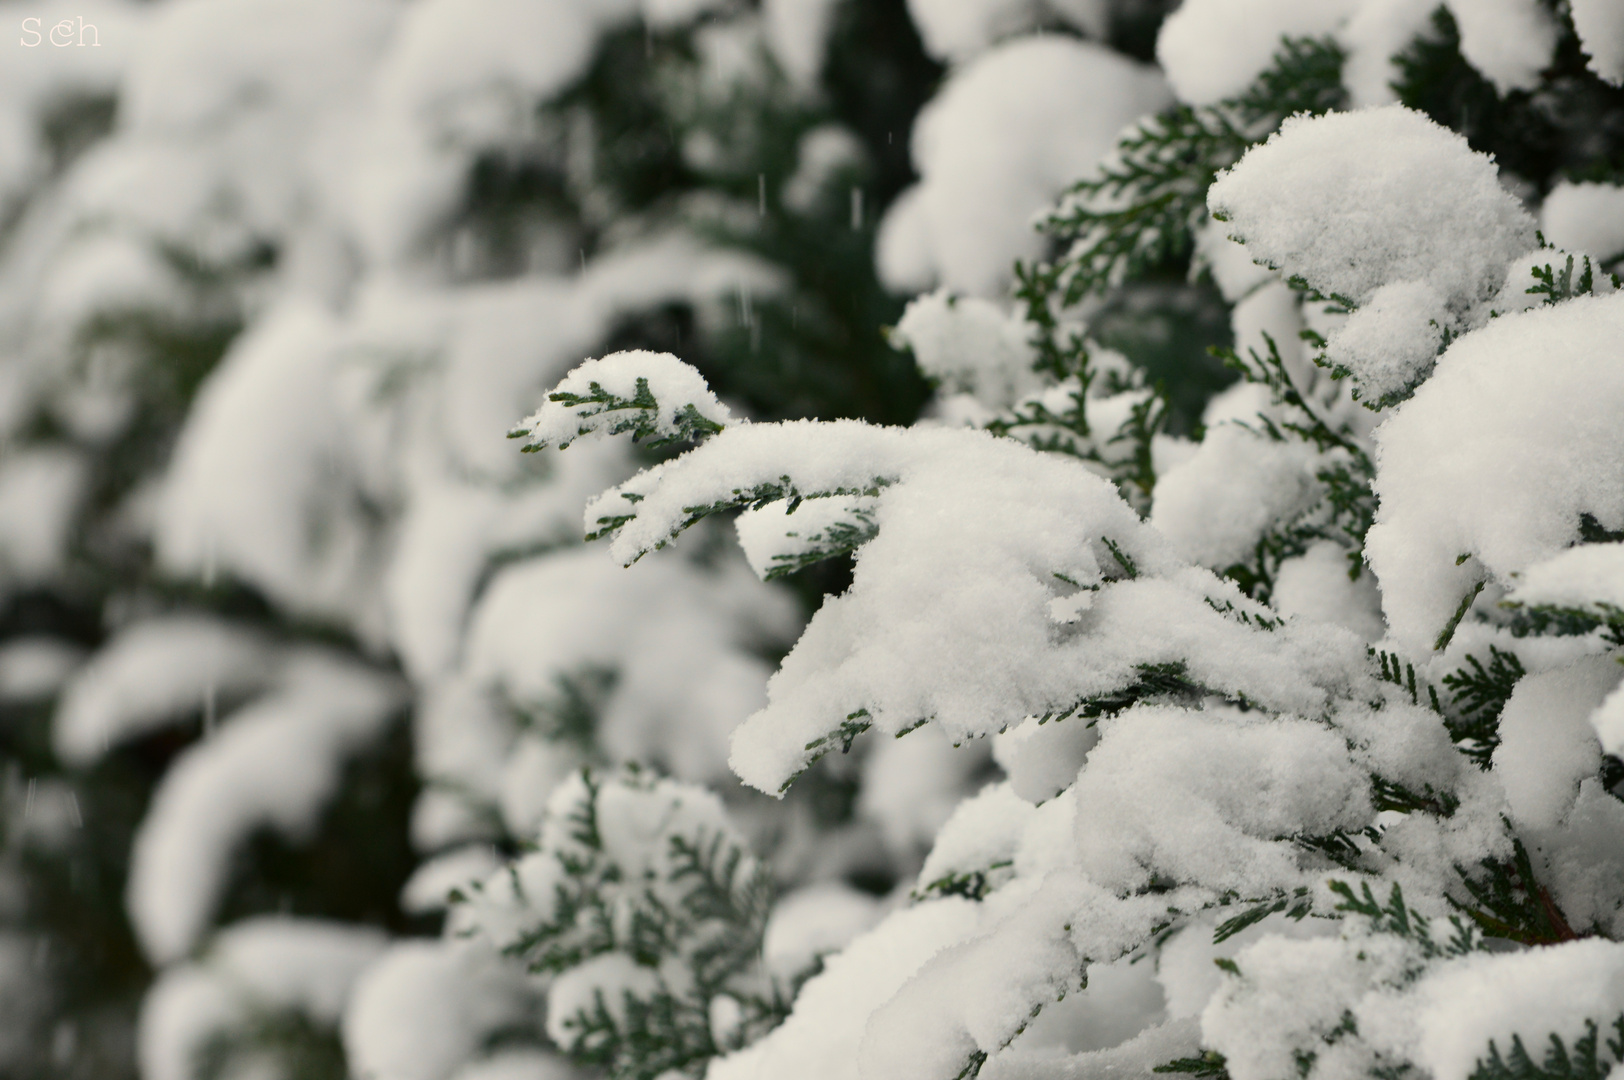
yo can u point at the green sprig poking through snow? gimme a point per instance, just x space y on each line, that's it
654 397
647 908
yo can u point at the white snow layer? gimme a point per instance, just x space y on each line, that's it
260 484
1006 134
820 1040
274 764
956 30
1585 217
1509 41
264 963
1600 24
1214 49
427 1007
1351 202
925 622
1485 472
1547 745
675 639
154 672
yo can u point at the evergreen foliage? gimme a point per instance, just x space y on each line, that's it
1244 613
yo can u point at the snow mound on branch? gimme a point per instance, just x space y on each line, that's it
1601 32
1580 576
41 490
820 1040
270 962
431 884
672 383
813 922
1585 217
1214 49
427 1007
152 673
274 765
1024 526
1235 487
1509 41
1003 138
1315 585
262 483
1195 825
1376 32
1495 458
925 622
1549 990
1547 745
1389 344
675 641
970 345
468 68
1350 202
797 32
955 30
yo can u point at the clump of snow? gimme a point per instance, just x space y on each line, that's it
1315 585
274 764
1008 132
1509 41
980 838
1041 759
1544 991
1350 202
1291 996
822 155
262 483
1582 575
1214 49
426 1007
969 345
33 668
674 639
904 253
1547 745
1194 824
153 672
1390 343
1238 484
1376 32
1585 216
40 493
1495 460
430 887
820 1039
675 388
1601 33
797 32
264 963
956 30
814 921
